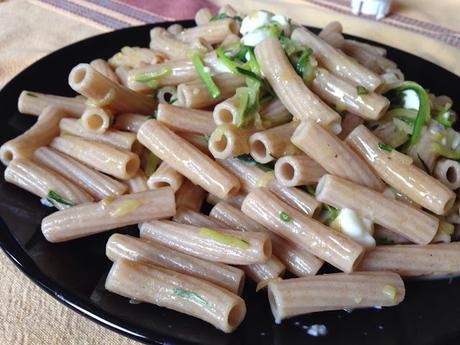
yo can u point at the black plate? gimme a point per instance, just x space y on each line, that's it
74 272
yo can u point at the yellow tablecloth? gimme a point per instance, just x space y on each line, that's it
30 30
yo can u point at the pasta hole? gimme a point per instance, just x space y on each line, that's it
233 27
451 174
287 171
221 144
160 184
95 122
267 248
78 75
233 191
236 314
225 116
132 166
7 156
259 149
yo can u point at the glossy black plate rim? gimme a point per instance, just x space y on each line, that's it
20 258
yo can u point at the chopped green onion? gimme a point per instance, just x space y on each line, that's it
285 217
150 76
219 16
205 76
447 152
390 291
225 239
333 214
151 164
154 94
172 99
310 190
241 55
229 63
290 46
247 159
303 59
189 295
385 147
445 116
361 90
53 196
30 94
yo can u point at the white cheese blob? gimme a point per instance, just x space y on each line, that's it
257 26
357 228
255 20
411 100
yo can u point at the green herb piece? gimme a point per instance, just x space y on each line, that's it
285 217
219 16
53 196
290 46
225 239
333 214
154 94
385 147
205 76
152 163
250 161
446 151
189 295
30 94
361 90
172 99
310 190
384 241
229 63
241 55
150 76
445 116
303 59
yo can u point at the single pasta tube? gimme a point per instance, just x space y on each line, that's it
422 153
367 55
274 113
334 155
330 29
383 235
134 57
410 260
203 16
105 158
251 177
194 94
122 75
92 218
291 89
177 291
320 240
165 176
200 141
167 94
305 295
416 225
213 32
333 90
235 201
229 10
148 252
337 62
191 217
389 134
403 176
175 29
105 93
40 134
226 112
166 43
190 196
129 122
96 120
119 139
226 246
296 259
187 159
273 143
186 120
448 172
299 170
349 123
104 68
229 141
40 180
98 185
137 183
33 103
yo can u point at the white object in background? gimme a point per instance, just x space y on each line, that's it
377 8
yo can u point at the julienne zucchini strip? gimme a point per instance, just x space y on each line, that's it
205 75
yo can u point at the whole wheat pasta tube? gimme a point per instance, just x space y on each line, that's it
397 216
336 61
188 216
129 122
227 246
137 183
165 176
105 158
104 68
389 134
33 103
331 28
92 181
291 89
334 155
297 260
177 291
422 153
203 16
166 43
214 31
40 134
349 122
175 29
313 236
275 113
92 218
334 90
186 120
167 94
122 75
366 55
96 120
250 177
190 196
411 260
299 170
405 178
305 295
200 141
194 94
148 252
122 140
229 141
383 235
105 93
448 172
235 201
40 181
226 112
273 143
187 159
